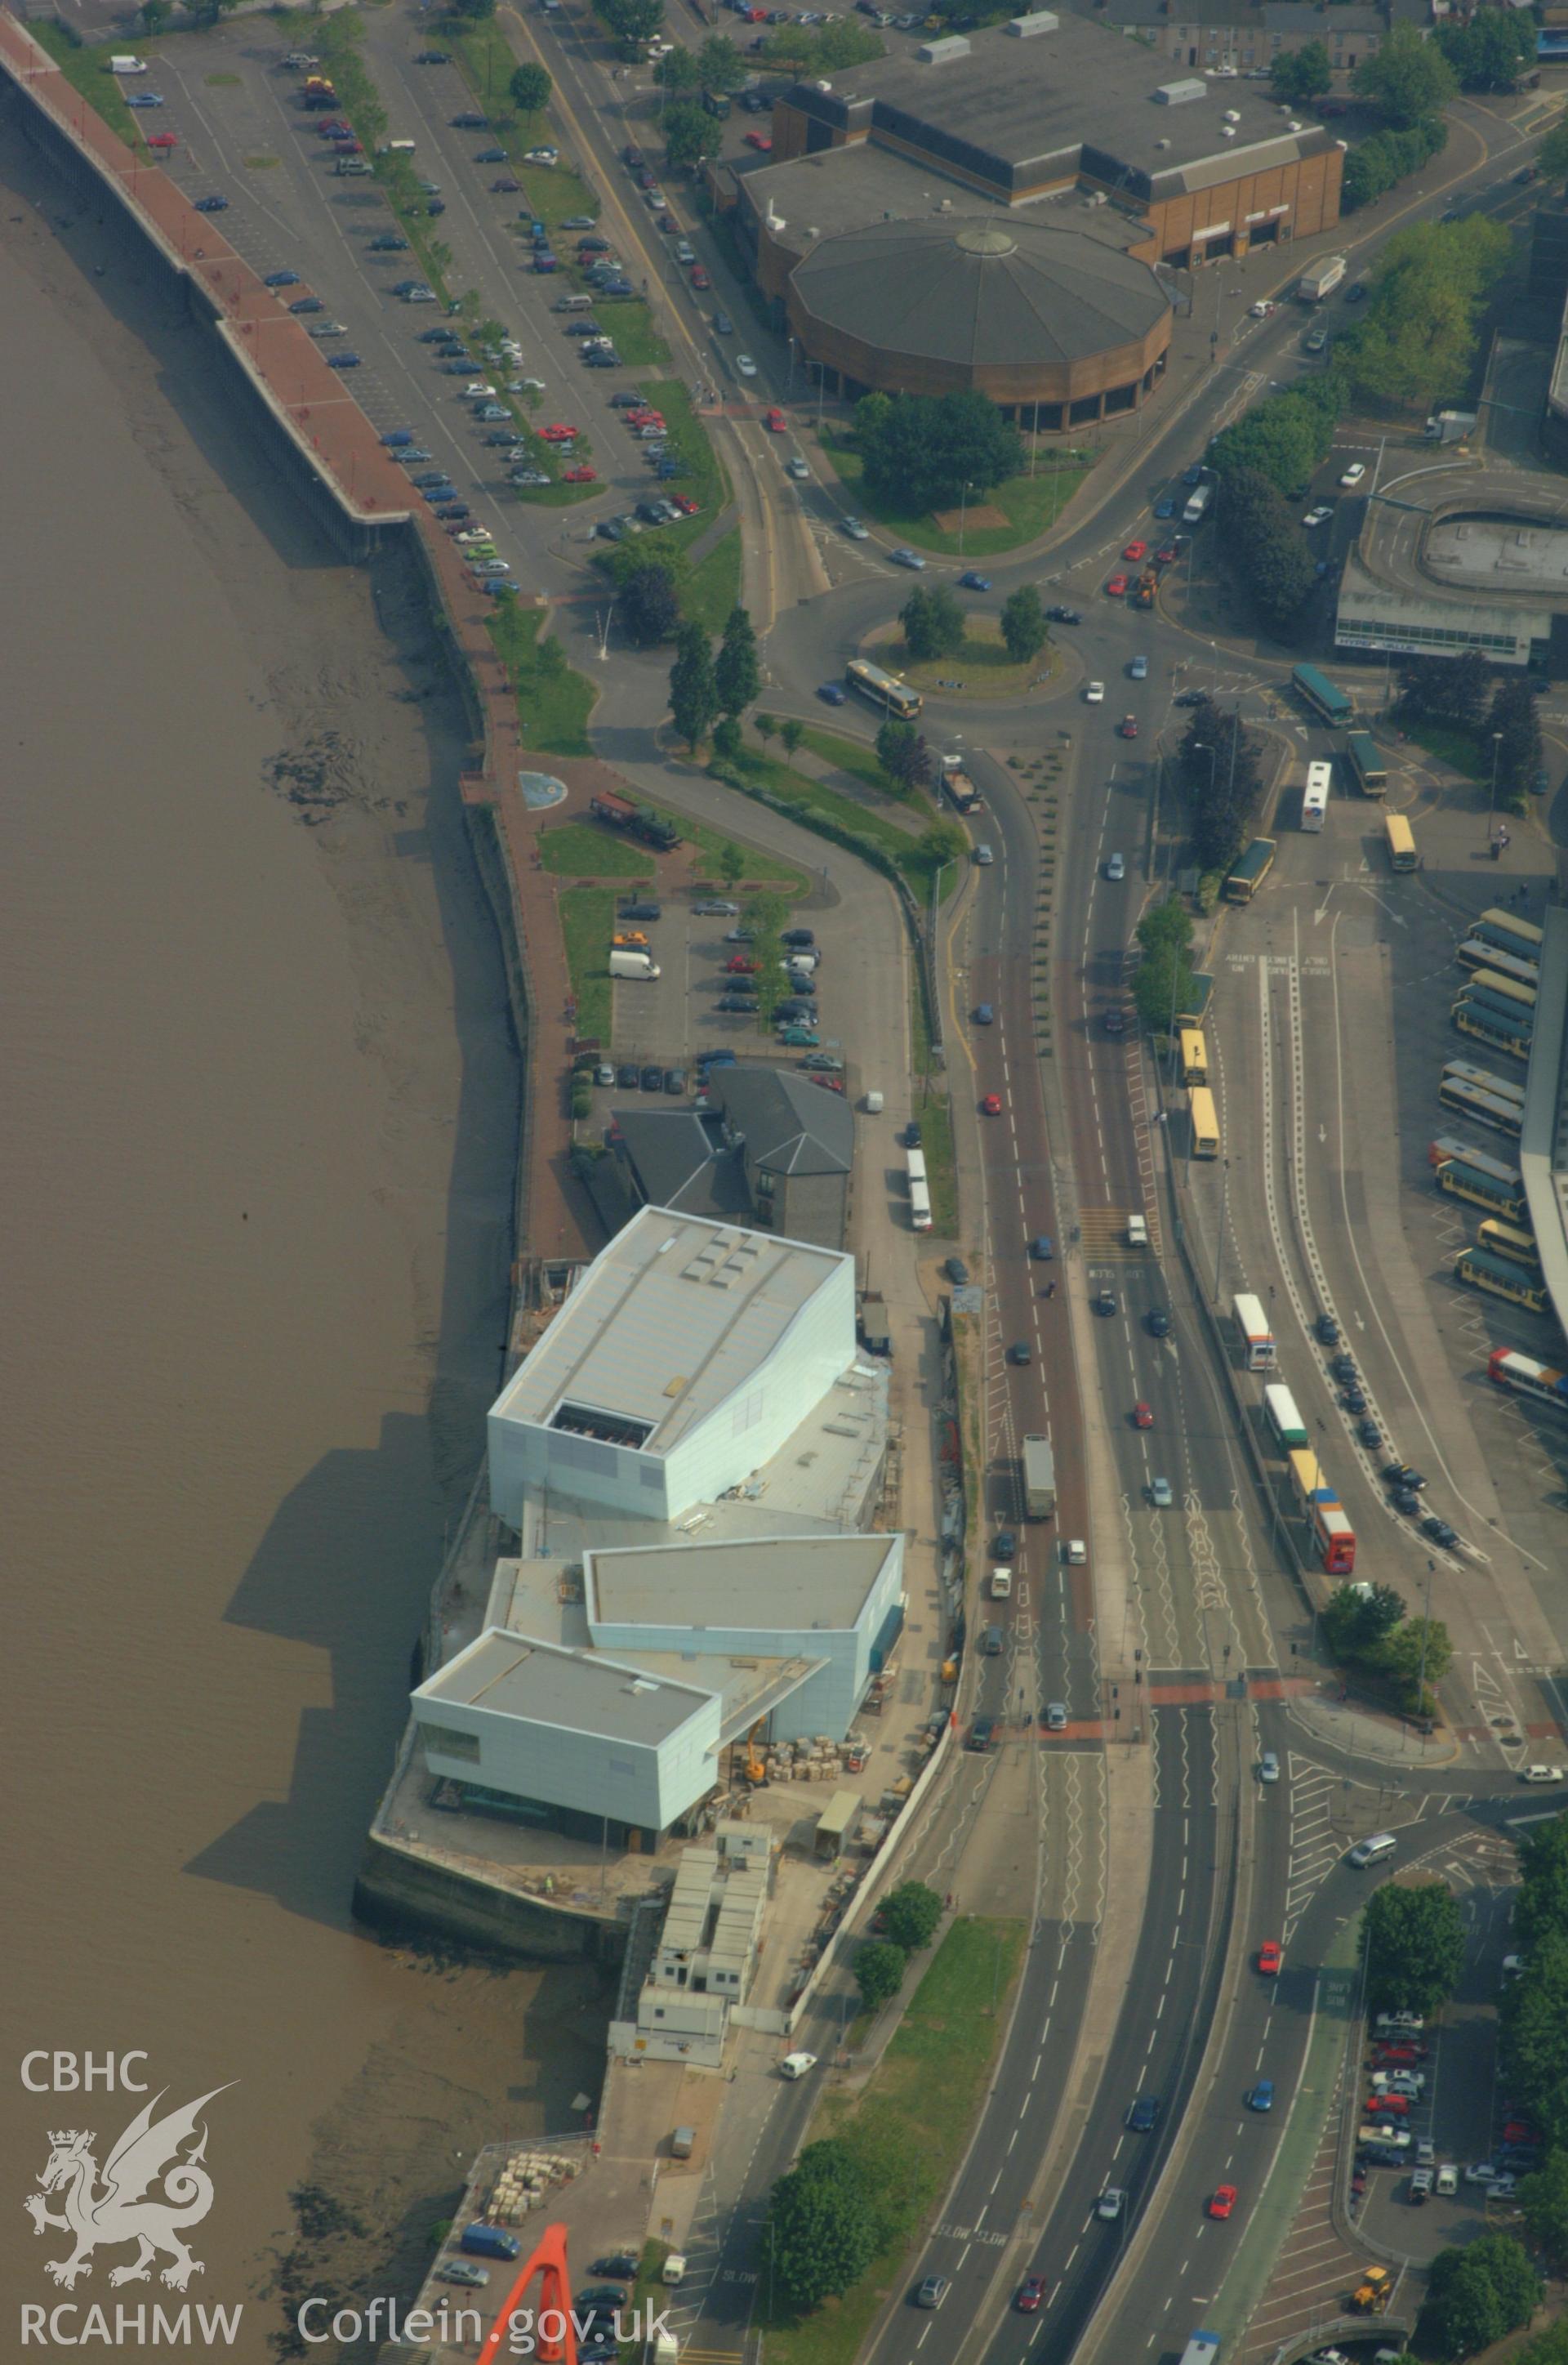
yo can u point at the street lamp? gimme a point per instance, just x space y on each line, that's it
1491 803
963 503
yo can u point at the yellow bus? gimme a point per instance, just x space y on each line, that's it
1204 1122
1400 840
1508 989
1195 1056
883 689
1500 1278
1507 1241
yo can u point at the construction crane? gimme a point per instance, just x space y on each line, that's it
753 1769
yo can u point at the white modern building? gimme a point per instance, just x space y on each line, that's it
679 1363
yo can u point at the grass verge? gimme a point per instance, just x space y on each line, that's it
587 920
1030 504
637 341
714 851
1459 750
981 668
909 2127
87 72
571 851
851 755
915 860
941 1166
553 703
713 586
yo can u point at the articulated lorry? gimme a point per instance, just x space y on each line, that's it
1321 278
1039 1478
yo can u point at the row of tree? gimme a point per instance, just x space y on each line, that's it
1459 694
1218 769
705 686
935 624
1368 1629
1265 550
1162 984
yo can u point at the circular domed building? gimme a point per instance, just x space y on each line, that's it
1040 319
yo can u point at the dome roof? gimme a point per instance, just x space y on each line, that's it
974 294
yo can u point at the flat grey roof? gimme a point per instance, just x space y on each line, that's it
1543 1144
1499 554
793 1582
815 196
577 1691
1373 614
1079 97
668 1323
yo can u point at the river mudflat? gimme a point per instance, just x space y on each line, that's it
260 1095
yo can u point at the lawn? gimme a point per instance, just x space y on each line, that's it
571 851
711 847
87 71
553 703
637 341
1459 749
913 858
588 922
1030 504
713 586
856 756
935 1117
981 668
687 442
910 2126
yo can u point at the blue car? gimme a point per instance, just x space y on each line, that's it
1041 1249
396 437
984 1014
973 582
830 694
342 360
1165 507
303 304
1261 2098
1143 2115
212 205
451 512
144 98
280 279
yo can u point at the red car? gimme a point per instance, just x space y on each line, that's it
581 474
1128 726
828 1083
349 147
685 504
741 965
644 418
759 139
1388 2106
1136 551
1142 1417
700 277
1271 1958
1398 2056
991 1104
1224 2202
1520 2130
1168 556
162 139
333 128
1031 2293
557 434
1117 588
775 423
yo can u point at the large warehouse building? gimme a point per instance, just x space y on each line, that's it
990 212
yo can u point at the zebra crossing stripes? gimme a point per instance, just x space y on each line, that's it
1315 1846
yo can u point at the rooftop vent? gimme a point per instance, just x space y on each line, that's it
1228 131
1162 144
1039 20
944 49
1232 114
1182 93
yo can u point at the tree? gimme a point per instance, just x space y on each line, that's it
735 673
1162 988
732 863
155 15
1474 2295
1356 1622
1217 765
679 71
878 1972
1519 754
1406 77
924 451
910 1915
1534 2018
903 756
1544 2198
632 20
728 744
1414 1939
529 87
1541 1912
792 733
650 609
1414 1657
719 65
822 2229
477 11
1300 76
1282 441
1024 628
1445 689
942 842
1551 156
766 727
1492 50
932 624
1419 338
693 697
692 134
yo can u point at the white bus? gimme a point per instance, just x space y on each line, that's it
919 1192
1315 796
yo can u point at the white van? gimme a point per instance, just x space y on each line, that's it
873 1104
128 66
632 964
1138 1232
1372 1851
572 304
1002 1585
674 2268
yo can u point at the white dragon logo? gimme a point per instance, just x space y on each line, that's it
145 2153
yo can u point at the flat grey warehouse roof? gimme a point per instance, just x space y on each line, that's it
668 1323
571 1689
792 1584
1077 98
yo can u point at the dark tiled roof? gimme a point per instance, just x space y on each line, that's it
789 1124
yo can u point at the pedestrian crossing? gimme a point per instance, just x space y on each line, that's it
1104 1234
